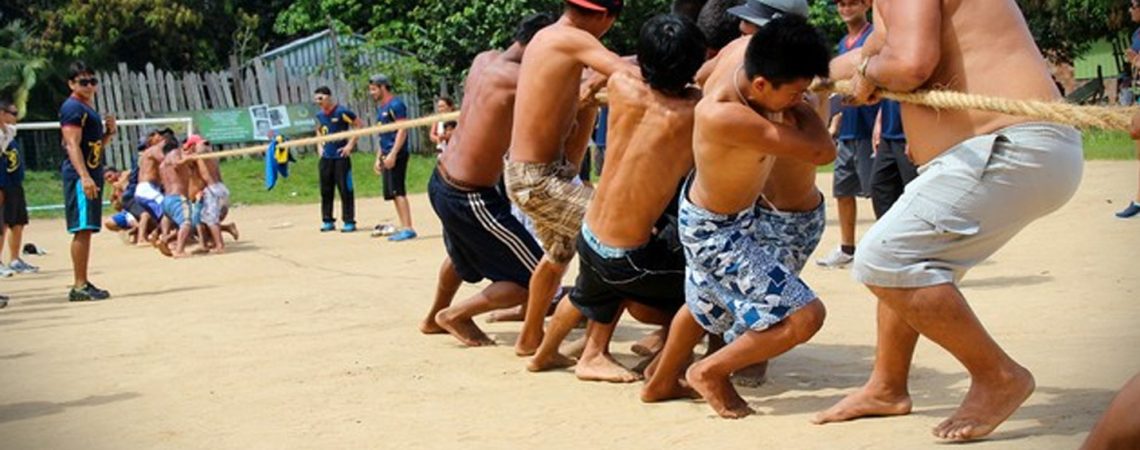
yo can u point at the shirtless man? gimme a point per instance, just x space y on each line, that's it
482 238
752 112
215 198
628 248
175 174
148 193
986 177
548 141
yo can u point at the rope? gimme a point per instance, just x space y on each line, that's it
1103 117
377 129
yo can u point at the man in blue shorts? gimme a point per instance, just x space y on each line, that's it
482 238
84 138
336 160
392 159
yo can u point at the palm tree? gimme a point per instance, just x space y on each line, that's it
18 67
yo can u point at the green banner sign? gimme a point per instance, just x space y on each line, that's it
251 124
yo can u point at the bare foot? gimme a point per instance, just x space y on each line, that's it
463 329
162 248
719 393
428 326
650 344
986 406
218 250
866 402
542 363
669 390
752 376
180 255
528 345
515 314
232 230
574 348
604 368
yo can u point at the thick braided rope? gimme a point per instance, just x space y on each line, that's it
377 129
1103 117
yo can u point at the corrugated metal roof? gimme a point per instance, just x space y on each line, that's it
315 51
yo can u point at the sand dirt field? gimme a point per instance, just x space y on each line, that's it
297 339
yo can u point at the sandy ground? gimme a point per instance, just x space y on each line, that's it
298 339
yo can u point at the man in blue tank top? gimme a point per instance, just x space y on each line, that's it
852 177
335 167
84 138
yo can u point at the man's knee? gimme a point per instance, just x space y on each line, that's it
808 321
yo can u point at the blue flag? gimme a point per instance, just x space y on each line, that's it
276 162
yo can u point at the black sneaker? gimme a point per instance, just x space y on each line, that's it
88 293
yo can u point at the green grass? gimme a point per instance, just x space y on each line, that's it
246 181
245 177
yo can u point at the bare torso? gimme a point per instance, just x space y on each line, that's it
649 151
149 162
174 175
976 59
547 99
475 153
730 173
210 171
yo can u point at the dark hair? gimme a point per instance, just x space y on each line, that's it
323 90
446 99
170 142
785 49
6 104
669 51
78 68
530 25
717 24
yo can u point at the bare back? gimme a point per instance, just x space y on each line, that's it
474 155
650 150
550 76
174 175
986 49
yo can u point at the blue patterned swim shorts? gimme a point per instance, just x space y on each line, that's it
791 237
732 282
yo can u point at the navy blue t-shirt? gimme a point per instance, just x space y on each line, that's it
388 113
12 166
602 127
75 113
858 122
339 119
892 127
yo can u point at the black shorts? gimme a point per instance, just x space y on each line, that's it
15 206
653 275
481 236
83 214
394 179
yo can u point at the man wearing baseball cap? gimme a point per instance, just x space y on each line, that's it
548 141
755 13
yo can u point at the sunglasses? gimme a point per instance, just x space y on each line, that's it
320 98
87 81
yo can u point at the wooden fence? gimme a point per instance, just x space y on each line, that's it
147 94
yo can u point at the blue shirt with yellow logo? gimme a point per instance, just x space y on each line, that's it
75 113
11 166
337 120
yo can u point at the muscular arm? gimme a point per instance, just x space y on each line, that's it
204 172
806 141
911 49
589 51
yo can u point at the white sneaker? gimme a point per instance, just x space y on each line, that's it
5 272
836 260
383 230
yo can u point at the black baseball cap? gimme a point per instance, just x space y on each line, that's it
380 80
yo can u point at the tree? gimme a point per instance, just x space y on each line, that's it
19 69
1064 29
